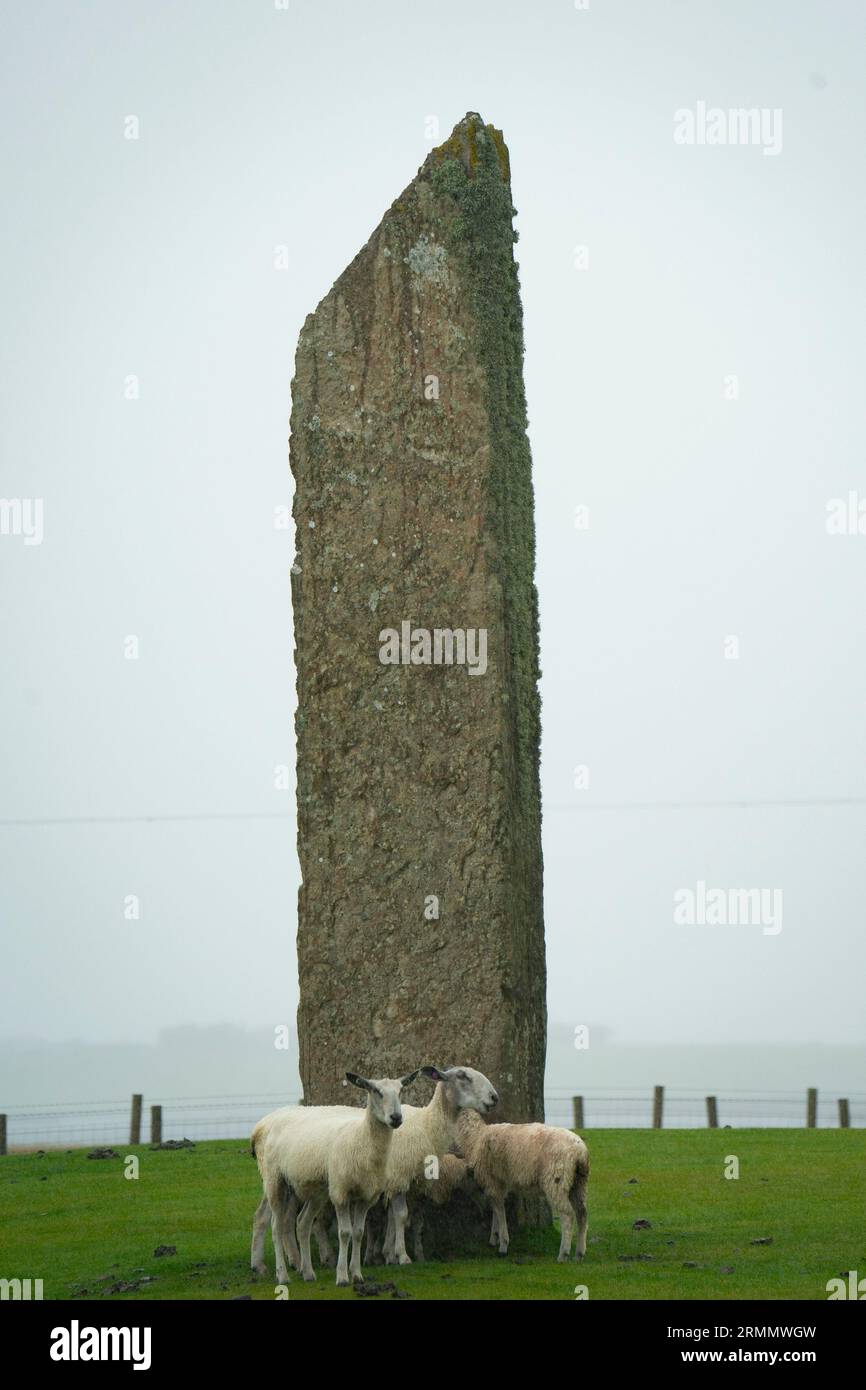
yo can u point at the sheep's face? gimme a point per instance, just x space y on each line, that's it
466 1088
383 1096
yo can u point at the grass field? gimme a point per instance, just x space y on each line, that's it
82 1227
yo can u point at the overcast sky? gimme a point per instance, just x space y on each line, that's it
695 340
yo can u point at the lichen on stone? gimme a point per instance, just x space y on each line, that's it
428 261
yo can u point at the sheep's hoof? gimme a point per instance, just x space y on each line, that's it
261 1270
579 1254
405 1260
343 1284
504 1252
310 1278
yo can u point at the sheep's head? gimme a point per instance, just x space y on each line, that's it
383 1096
465 1088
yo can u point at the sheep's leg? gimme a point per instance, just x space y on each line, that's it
359 1217
566 1227
278 1196
260 1226
494 1229
344 1228
578 1202
282 1273
287 1230
400 1208
309 1212
501 1223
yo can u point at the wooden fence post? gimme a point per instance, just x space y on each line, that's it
658 1106
712 1112
812 1107
844 1114
2 1134
577 1108
156 1124
135 1121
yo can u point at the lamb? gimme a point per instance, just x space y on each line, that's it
523 1158
314 1156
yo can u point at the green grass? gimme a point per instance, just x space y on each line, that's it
71 1220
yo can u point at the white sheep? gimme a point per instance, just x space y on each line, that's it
506 1159
314 1156
426 1136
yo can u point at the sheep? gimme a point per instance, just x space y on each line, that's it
532 1157
428 1132
315 1156
289 1206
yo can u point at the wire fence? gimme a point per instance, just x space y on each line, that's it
687 1109
70 1125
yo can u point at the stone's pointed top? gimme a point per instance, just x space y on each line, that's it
464 141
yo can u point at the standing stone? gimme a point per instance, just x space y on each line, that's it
420 930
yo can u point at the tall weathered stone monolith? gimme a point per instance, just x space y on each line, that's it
420 932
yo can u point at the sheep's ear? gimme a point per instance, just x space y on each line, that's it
407 1080
360 1081
434 1073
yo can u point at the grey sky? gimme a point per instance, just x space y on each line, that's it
262 128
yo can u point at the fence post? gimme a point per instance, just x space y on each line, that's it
712 1112
844 1115
156 1124
658 1106
577 1108
135 1121
2 1134
812 1107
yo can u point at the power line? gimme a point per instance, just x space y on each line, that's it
150 820
740 804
